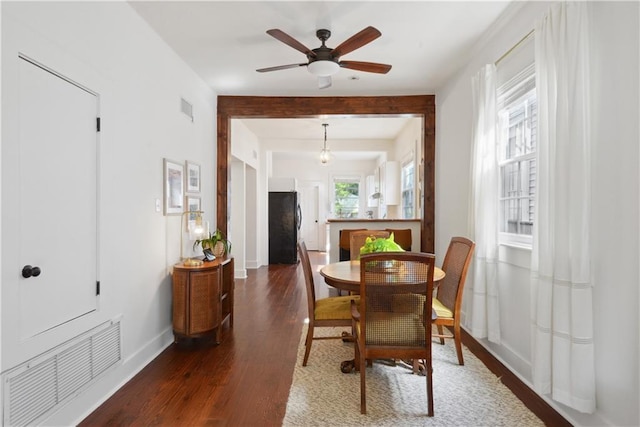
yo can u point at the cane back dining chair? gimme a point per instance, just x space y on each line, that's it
330 311
358 239
344 244
393 317
448 300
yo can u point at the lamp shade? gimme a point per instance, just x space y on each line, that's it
324 156
323 68
195 228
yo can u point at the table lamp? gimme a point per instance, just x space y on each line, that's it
196 231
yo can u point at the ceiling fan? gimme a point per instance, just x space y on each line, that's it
324 61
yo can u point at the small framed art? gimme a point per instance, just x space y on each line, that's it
193 177
193 204
173 187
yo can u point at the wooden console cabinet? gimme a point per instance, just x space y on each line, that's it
203 298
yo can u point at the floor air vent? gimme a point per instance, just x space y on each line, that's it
35 389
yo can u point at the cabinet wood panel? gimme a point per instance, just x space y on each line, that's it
203 298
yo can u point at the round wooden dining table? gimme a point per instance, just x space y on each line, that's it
345 275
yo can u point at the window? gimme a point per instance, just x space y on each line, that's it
517 120
408 179
346 197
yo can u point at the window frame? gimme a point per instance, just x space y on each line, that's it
355 179
412 188
511 95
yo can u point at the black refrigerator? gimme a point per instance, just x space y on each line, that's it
285 219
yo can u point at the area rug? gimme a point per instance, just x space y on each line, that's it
469 395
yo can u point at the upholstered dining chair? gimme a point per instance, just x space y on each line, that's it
358 239
330 311
393 317
448 300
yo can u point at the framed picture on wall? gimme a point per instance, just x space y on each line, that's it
193 204
193 177
173 187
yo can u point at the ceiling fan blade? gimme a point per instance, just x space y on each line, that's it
369 67
324 82
280 67
290 41
365 36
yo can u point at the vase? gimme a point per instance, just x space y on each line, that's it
218 249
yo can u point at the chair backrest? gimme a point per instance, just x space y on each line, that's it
396 290
358 239
308 277
402 236
344 244
455 265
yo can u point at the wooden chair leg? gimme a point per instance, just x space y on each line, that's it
428 374
307 344
457 340
441 333
363 387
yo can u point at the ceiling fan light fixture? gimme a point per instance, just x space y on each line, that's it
323 68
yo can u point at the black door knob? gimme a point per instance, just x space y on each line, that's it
28 271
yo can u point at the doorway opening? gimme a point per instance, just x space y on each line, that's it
239 107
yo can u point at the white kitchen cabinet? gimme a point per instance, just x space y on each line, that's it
390 177
372 188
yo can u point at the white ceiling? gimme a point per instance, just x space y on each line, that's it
426 42
338 128
310 131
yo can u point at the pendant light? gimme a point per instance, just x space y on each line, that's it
324 154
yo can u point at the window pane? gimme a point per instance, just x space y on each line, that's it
518 170
521 127
408 172
347 199
407 204
517 196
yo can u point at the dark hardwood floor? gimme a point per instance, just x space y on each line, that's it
245 380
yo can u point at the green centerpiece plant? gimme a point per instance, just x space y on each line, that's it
380 244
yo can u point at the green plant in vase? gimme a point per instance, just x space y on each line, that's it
216 242
380 244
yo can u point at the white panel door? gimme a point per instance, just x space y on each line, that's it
58 200
310 223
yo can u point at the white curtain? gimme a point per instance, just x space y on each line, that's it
483 214
562 310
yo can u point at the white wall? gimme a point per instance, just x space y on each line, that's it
107 46
245 219
615 203
309 169
237 231
244 145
